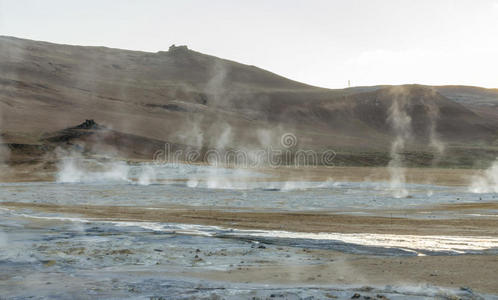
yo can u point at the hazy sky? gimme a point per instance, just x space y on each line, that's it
324 43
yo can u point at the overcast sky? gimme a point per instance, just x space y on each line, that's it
323 43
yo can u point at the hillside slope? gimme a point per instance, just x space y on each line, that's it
185 97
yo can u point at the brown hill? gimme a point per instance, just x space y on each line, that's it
193 99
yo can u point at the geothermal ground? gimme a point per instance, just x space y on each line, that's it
143 230
396 199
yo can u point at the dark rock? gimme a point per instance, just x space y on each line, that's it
89 124
169 106
178 49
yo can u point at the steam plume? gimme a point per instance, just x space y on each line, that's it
487 182
432 111
401 124
74 168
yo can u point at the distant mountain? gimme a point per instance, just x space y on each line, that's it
470 95
190 98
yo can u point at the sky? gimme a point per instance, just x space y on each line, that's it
322 43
